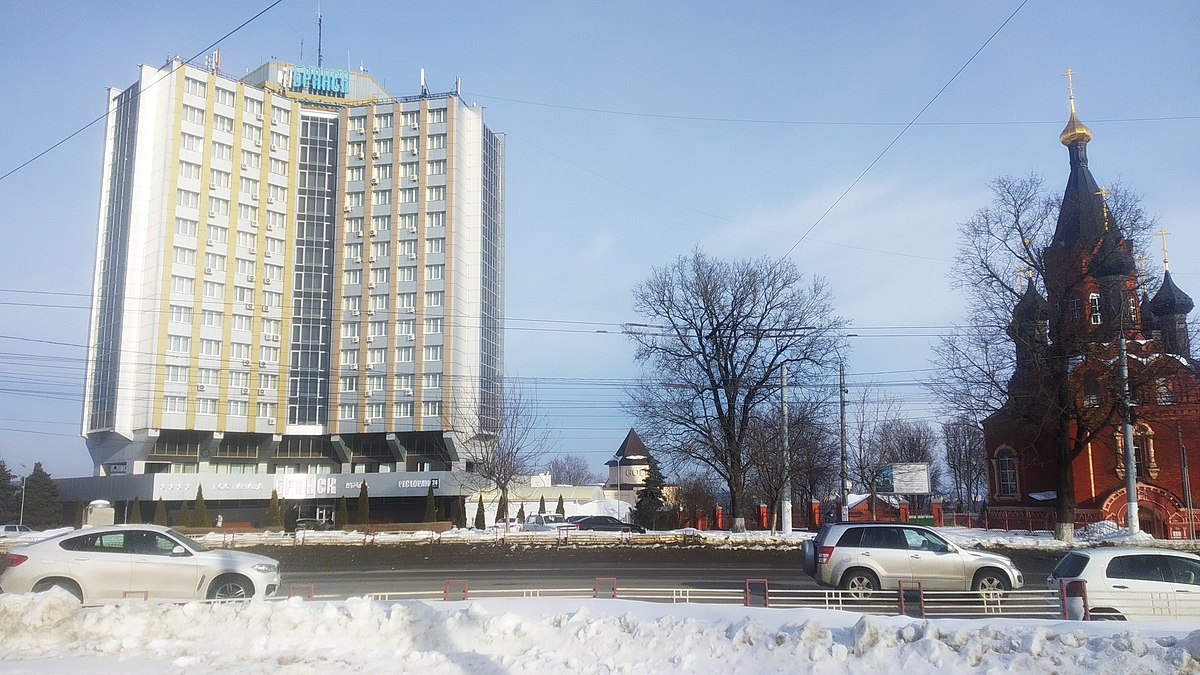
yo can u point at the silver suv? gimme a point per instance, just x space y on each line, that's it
863 557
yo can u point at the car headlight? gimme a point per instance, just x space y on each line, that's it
264 568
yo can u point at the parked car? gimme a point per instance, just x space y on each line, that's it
1132 583
100 564
607 524
12 531
514 525
576 519
318 524
864 557
546 522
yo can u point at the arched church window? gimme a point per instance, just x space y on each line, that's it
1006 473
1091 391
1131 311
1145 456
1076 309
1094 308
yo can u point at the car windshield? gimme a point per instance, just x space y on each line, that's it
1070 566
187 541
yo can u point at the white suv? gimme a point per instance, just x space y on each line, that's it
864 557
1131 583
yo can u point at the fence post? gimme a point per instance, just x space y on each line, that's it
604 587
755 589
1073 599
456 587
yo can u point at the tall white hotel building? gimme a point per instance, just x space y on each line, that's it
298 287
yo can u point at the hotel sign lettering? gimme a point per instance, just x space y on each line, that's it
320 81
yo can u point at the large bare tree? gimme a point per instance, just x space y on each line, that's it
721 332
812 456
963 442
1003 260
509 444
571 470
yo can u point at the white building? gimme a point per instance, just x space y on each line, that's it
296 273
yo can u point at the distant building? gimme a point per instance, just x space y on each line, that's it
299 287
628 469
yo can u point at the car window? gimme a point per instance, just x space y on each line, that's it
1139 568
921 540
882 537
851 537
105 542
1071 566
1184 570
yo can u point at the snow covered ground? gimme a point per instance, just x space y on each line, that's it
51 633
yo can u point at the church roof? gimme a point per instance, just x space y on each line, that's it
1112 258
632 452
1031 306
1081 217
1169 300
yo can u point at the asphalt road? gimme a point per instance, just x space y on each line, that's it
338 572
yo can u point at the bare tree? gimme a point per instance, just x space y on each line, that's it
909 441
695 495
571 470
501 448
726 329
811 453
963 441
1008 259
867 415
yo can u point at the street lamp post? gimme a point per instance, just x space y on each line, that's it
21 521
620 496
845 485
785 495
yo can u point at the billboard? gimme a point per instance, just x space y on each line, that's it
903 479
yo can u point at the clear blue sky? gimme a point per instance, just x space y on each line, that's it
636 131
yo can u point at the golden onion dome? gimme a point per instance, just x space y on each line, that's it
1075 131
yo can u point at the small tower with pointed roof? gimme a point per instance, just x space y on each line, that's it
628 468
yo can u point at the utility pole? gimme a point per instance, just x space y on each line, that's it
21 521
1131 502
785 495
845 469
1187 483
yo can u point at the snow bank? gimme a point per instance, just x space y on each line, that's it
50 632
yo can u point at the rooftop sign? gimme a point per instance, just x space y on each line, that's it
320 81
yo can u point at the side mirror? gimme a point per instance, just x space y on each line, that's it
179 551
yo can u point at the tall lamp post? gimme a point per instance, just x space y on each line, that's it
845 514
785 495
21 521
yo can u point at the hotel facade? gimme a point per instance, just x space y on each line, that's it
298 287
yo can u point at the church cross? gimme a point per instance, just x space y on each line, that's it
1104 203
1071 87
1162 233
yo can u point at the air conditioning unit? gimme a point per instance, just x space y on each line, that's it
212 214
262 364
358 258
412 256
212 186
266 254
371 285
374 130
361 156
348 209
258 143
374 181
413 152
199 387
370 312
210 242
412 229
270 226
406 391
249 277
262 392
416 125
271 421
253 251
208 270
249 305
266 281
266 308
374 155
372 259
412 177
355 312
245 362
253 198
245 166
370 338
358 232
258 117
370 366
354 339
410 336
374 232
245 390
270 200
368 394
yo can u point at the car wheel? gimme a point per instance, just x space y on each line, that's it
1105 614
860 583
65 584
808 556
231 587
991 583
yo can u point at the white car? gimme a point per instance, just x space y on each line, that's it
13 531
547 522
152 562
1130 583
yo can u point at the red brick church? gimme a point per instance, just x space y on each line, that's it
1072 337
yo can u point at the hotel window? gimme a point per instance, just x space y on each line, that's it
225 97
408 196
406 327
375 411
213 289
238 408
403 408
381 171
348 384
381 249
251 160
218 178
377 329
376 356
350 357
222 123
189 171
248 213
355 173
433 326
409 145
405 354
382 146
351 277
273 272
222 151
206 406
409 170
174 404
279 167
217 234
407 221
189 199
191 142
253 106
239 379
437 116
354 199
179 343
437 142
431 380
383 120
276 221
381 197
379 276
272 299
211 319
406 301
436 167
268 353
243 322
214 262
434 298
186 227
281 115
208 376
404 381
194 86
183 285
431 408
210 347
379 302
435 193
357 148
278 141
193 114
435 272
252 134
411 119
273 246
1006 473
218 206
266 409
432 353
408 273
375 382
435 219
184 256
248 186
181 314
358 124
435 245
1094 307
381 223
347 411
244 267
351 303
177 374
350 329
353 251
354 223
271 326
276 194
